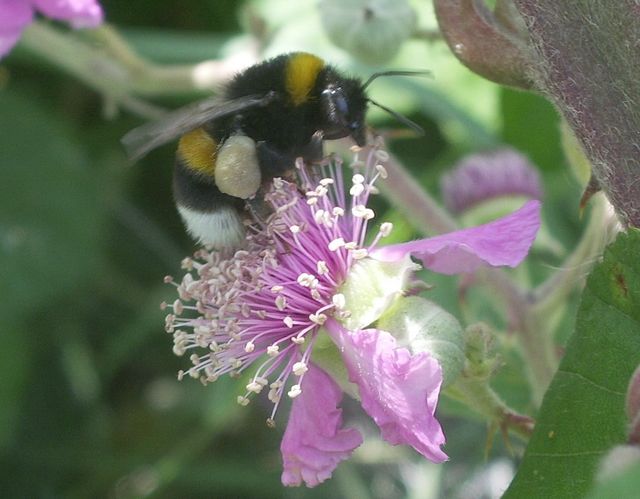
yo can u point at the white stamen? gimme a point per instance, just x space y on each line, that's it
254 387
357 179
386 228
382 171
339 301
242 400
277 288
338 211
326 181
295 391
351 245
307 280
288 321
356 189
322 267
298 340
281 302
249 347
319 319
359 211
274 396
336 244
299 368
318 216
295 229
273 350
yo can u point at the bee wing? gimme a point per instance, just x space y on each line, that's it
139 141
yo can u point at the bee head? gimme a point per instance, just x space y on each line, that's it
344 105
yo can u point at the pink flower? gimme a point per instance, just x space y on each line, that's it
308 274
479 177
16 15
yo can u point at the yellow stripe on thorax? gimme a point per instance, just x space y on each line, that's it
300 76
198 150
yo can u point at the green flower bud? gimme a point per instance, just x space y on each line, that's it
423 326
371 30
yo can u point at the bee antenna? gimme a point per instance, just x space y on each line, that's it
422 72
402 119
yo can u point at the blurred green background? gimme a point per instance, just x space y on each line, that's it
89 401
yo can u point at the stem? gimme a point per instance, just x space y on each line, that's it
531 328
417 205
478 395
600 231
105 62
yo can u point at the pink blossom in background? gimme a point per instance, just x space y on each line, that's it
265 306
16 15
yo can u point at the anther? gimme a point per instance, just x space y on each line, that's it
295 391
299 368
336 244
273 350
386 228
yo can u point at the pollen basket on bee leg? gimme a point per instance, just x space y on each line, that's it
237 171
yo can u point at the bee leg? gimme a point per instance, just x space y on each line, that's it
258 208
313 152
274 163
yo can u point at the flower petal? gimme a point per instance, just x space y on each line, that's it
505 241
79 13
16 15
313 443
398 390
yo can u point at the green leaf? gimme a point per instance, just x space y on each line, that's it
530 124
15 364
582 415
50 209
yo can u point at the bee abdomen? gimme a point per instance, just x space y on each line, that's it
211 217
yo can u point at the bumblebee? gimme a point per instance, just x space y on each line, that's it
268 115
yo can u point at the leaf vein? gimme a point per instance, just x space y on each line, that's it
591 382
